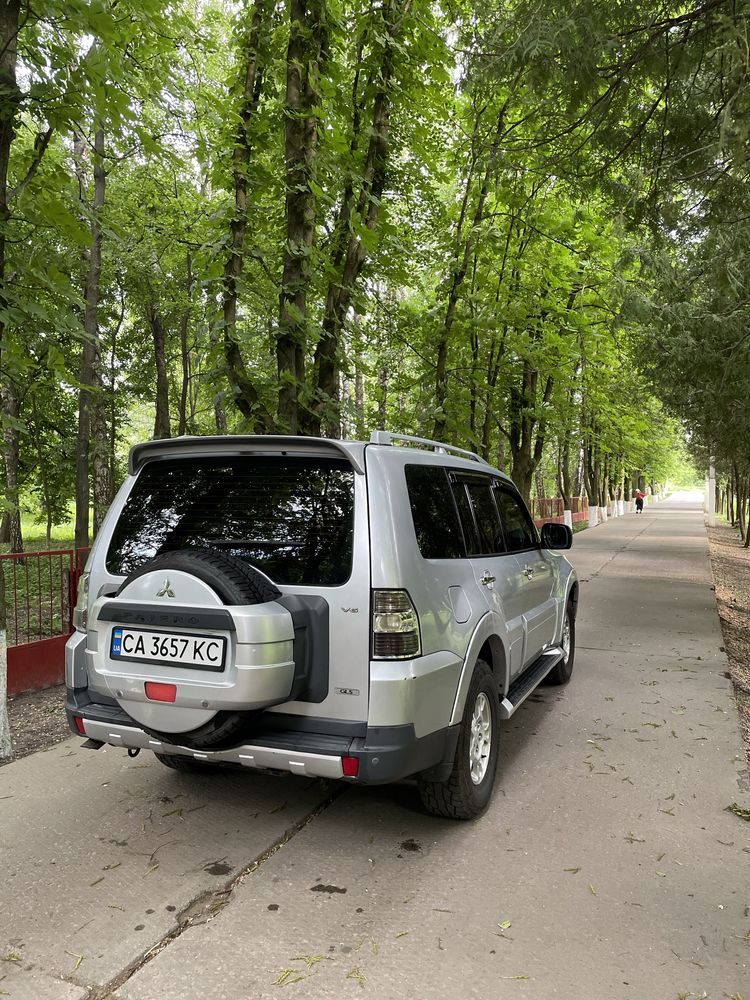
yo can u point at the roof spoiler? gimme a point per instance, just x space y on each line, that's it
239 444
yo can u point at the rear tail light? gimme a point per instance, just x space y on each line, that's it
350 766
80 612
80 725
395 625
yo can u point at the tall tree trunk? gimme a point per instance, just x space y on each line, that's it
539 478
220 414
244 391
526 446
83 434
383 379
494 359
359 401
42 466
563 469
92 441
82 450
564 446
185 351
501 453
9 20
162 427
111 386
11 96
464 246
102 485
349 253
739 485
11 439
457 277
307 54
474 343
591 467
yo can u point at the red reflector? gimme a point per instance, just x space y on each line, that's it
161 692
350 766
80 725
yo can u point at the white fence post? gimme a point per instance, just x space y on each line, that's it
5 743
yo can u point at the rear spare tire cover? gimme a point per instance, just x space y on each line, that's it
210 579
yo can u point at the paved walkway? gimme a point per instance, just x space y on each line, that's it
607 866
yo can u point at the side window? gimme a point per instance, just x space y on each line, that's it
518 527
434 512
466 515
485 512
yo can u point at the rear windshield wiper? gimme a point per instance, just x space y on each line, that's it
258 543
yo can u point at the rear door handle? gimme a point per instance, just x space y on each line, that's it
487 578
528 572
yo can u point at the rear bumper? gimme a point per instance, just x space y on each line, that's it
385 753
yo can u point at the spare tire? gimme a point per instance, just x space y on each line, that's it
234 582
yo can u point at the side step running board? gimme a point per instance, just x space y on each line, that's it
528 681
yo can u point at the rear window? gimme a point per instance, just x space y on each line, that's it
293 518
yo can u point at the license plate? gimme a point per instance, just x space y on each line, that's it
202 652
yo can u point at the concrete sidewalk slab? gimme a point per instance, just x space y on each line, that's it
100 855
607 865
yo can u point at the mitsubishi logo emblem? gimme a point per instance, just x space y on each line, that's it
166 590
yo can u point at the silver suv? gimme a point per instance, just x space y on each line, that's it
367 611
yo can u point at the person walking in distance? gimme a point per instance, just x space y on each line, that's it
639 498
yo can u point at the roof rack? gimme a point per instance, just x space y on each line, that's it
386 437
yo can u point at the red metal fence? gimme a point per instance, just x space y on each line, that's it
551 509
40 593
547 508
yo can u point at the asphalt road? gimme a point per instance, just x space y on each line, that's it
607 865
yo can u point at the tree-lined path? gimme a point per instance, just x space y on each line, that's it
520 228
607 864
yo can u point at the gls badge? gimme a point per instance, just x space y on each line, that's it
350 611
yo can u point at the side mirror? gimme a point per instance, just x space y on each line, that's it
556 536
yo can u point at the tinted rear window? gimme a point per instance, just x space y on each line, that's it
293 518
434 512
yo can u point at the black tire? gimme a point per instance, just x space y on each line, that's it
460 797
234 582
176 762
562 673
224 731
